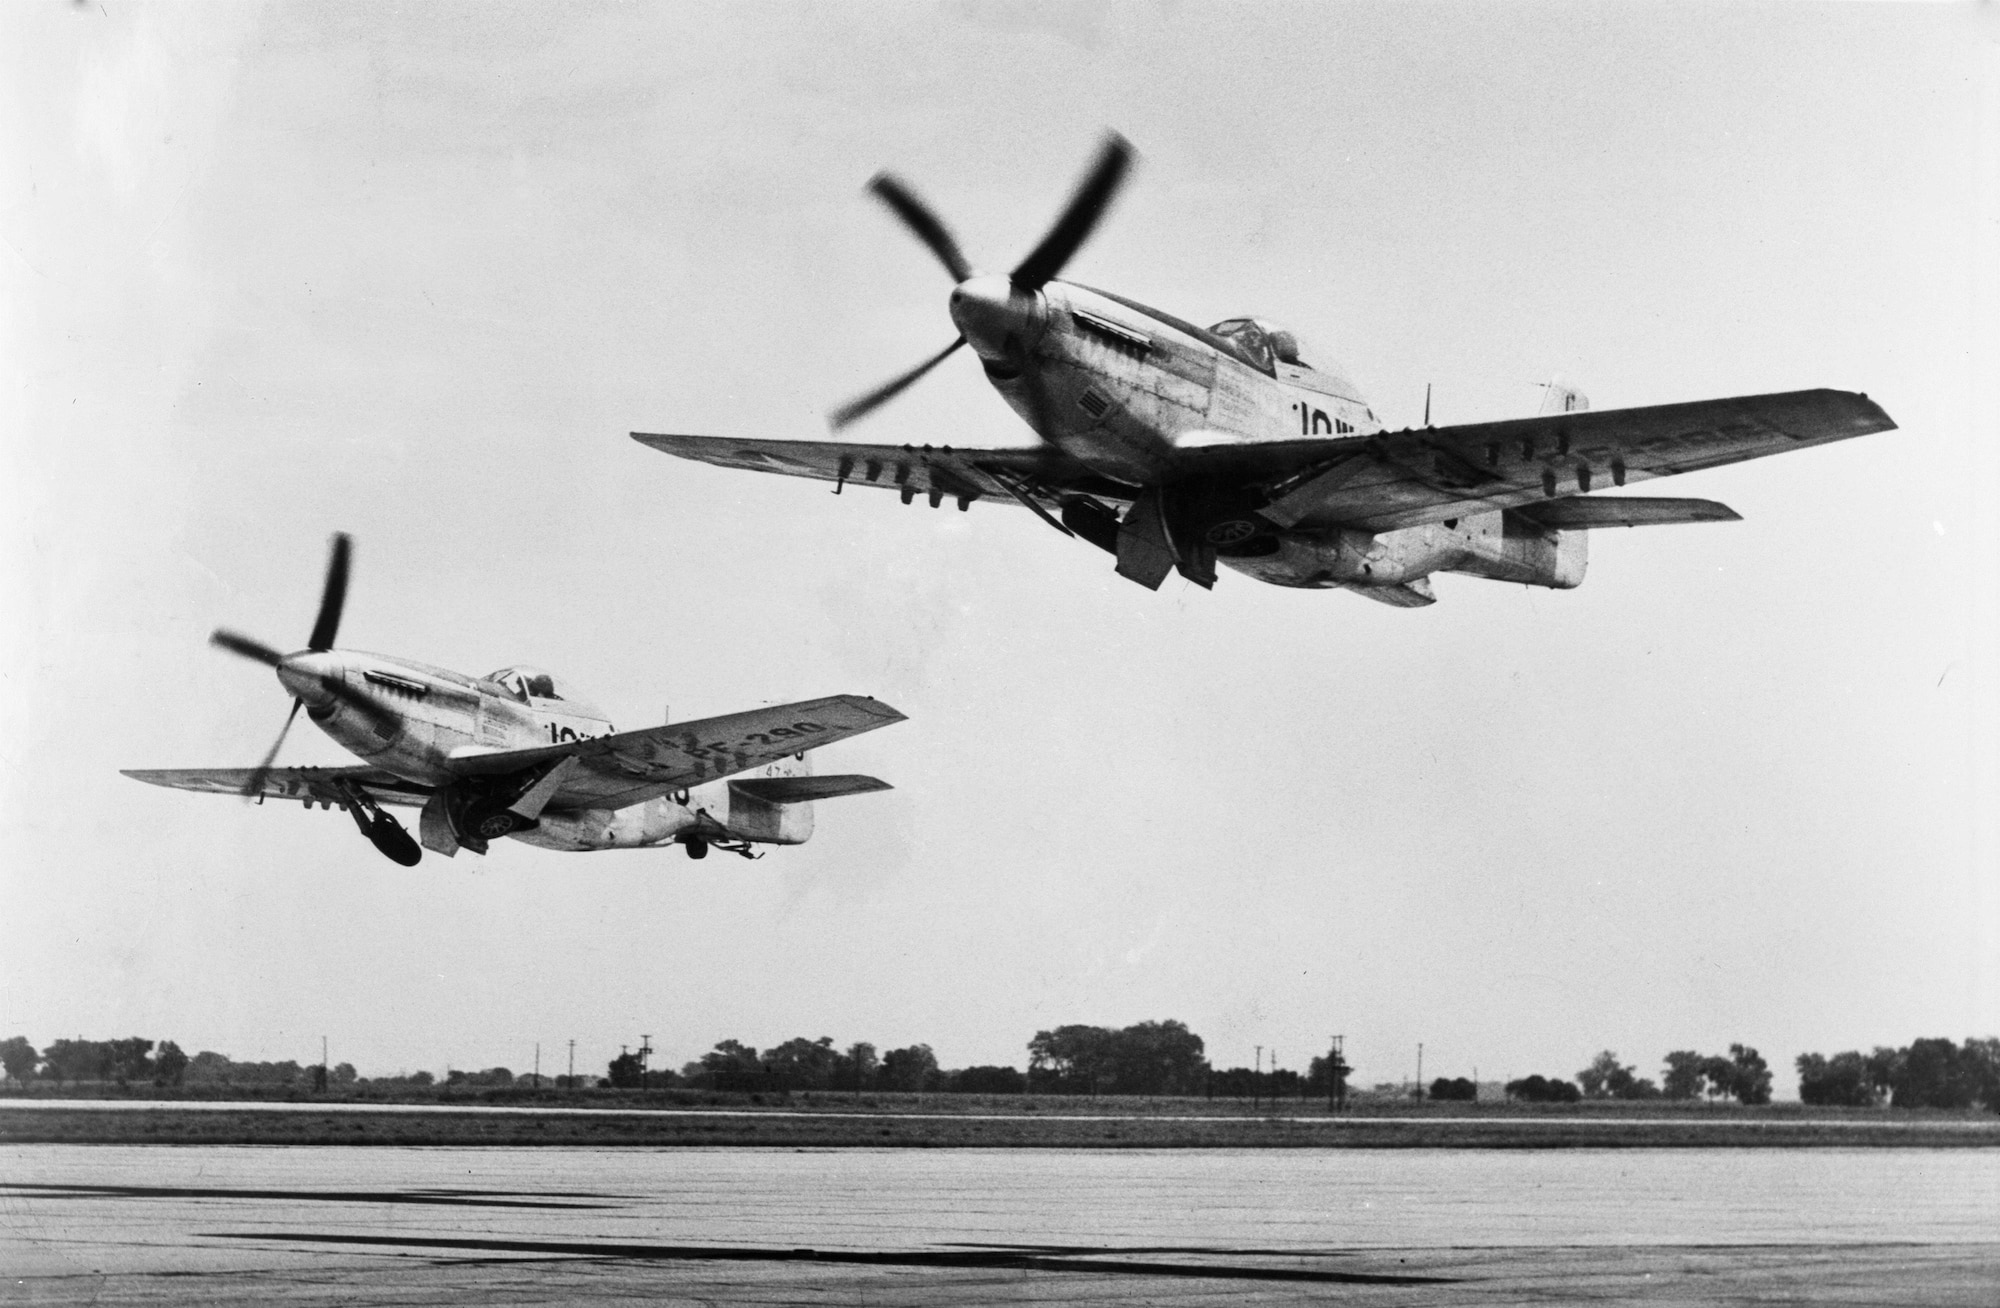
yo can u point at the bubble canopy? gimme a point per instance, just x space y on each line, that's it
525 683
1262 342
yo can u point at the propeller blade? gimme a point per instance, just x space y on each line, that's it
248 648
929 228
334 596
861 406
1086 207
255 785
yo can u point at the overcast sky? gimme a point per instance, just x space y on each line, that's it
413 272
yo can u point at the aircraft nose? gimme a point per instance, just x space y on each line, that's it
305 675
989 310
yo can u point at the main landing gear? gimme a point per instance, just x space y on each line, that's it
698 847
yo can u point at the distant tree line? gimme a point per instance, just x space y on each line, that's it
1742 1074
138 1061
114 1062
804 1063
1146 1058
1929 1073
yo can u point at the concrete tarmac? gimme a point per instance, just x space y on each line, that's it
165 1224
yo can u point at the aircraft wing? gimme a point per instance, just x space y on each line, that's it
324 785
630 767
938 471
1405 479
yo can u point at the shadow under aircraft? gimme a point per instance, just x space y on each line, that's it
1177 448
515 754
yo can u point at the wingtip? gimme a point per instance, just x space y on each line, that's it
1881 414
881 710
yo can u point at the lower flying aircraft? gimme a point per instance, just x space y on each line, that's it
1176 447
514 754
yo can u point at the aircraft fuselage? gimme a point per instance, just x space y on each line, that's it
1129 392
438 720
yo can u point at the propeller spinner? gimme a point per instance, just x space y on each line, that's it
305 674
984 307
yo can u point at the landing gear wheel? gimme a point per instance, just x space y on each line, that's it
697 848
1232 531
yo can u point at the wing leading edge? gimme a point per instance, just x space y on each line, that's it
938 472
310 785
1407 479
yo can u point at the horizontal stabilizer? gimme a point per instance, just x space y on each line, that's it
1579 512
801 790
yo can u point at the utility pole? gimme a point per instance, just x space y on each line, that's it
645 1052
572 1064
538 1064
1336 1076
1420 1069
1257 1078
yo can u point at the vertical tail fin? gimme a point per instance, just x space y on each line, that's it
1560 397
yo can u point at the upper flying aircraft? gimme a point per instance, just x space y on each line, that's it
1176 447
515 754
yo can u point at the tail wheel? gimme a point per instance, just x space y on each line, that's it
697 848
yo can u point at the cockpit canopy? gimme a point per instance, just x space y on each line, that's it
1261 342
525 683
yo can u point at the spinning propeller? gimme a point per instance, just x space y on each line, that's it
972 291
297 670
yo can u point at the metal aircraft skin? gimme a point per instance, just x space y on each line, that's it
1176 447
515 754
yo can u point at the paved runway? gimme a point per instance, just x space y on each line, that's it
111 1224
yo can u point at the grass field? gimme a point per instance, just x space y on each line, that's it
957 1121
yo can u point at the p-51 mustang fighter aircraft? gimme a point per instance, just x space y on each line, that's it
1175 447
513 754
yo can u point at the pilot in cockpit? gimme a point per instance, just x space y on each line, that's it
523 683
1260 342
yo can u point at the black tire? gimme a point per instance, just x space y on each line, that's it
697 848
